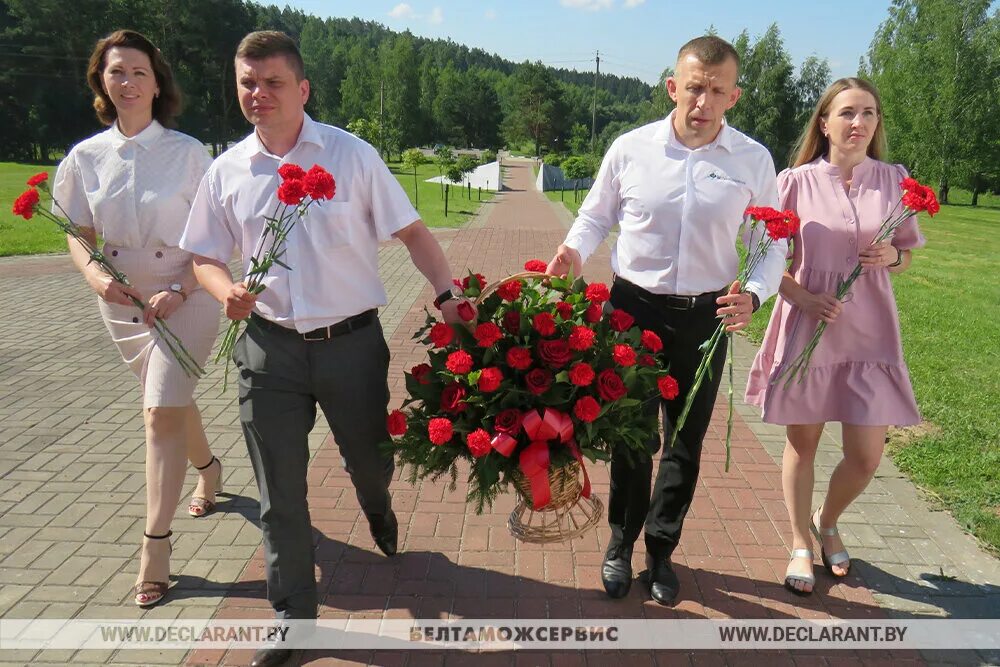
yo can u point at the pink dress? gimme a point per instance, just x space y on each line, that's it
857 374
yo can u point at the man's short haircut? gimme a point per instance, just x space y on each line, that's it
710 50
268 43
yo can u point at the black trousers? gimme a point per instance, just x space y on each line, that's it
629 504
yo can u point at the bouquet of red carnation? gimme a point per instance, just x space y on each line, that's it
777 225
913 199
29 203
542 379
298 191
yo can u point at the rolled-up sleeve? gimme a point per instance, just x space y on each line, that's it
766 277
599 211
207 232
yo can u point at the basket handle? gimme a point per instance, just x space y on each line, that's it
489 289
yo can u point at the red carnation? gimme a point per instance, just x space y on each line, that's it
668 387
439 430
395 423
651 341
555 352
478 277
508 421
620 320
538 381
25 204
917 197
587 409
597 293
581 338
420 373
782 226
544 324
487 334
441 334
609 386
519 358
565 310
490 379
291 172
536 265
292 192
623 355
594 313
512 321
479 443
466 311
319 183
38 179
510 290
647 360
451 398
459 362
581 374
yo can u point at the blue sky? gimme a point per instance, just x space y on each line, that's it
635 37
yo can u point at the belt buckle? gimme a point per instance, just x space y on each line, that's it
323 336
691 302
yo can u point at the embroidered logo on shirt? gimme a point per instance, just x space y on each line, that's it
723 177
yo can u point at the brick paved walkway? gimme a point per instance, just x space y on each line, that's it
71 502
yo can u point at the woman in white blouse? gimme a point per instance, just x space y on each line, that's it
133 185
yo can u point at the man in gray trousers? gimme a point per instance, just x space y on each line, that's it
314 335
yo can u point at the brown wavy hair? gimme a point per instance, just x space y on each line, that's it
812 143
166 105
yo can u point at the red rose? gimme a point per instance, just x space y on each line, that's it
519 358
490 379
581 338
291 172
319 183
451 398
508 421
668 387
466 311
620 320
623 355
544 324
651 341
439 430
510 290
395 423
292 192
647 360
565 310
487 334
38 179
594 313
581 374
587 409
535 265
609 386
512 321
459 362
479 443
420 373
441 334
597 293
476 280
25 204
538 381
555 353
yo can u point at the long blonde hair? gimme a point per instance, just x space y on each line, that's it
812 143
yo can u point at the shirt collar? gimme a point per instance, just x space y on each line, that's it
666 134
146 138
309 134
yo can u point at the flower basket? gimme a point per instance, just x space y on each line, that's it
539 381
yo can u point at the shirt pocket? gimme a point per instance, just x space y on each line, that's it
330 224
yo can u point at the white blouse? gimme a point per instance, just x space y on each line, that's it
135 191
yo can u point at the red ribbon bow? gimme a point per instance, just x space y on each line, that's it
534 460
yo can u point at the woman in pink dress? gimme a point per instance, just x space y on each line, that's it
842 191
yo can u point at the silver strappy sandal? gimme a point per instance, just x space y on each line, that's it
792 577
834 559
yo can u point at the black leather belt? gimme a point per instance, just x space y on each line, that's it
352 323
674 301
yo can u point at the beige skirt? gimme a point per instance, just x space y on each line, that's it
196 323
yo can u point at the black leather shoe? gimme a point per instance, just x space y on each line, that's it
616 571
663 583
270 657
387 534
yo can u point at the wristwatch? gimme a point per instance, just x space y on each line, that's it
899 258
756 302
179 289
442 297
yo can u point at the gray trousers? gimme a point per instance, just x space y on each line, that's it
282 379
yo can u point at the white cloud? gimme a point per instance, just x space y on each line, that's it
490 14
402 11
588 5
629 4
437 16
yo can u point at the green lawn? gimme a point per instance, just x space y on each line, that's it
431 200
566 197
948 302
17 235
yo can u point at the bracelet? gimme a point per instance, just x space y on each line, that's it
899 259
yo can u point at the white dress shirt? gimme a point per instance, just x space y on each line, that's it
135 191
332 251
679 211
